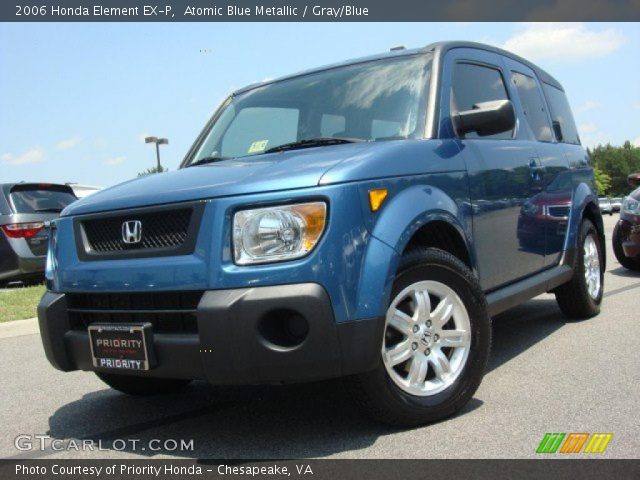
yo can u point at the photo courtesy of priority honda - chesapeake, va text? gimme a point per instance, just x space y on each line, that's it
362 220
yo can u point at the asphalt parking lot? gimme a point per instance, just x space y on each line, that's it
545 375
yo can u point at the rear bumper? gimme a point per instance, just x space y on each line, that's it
15 267
276 334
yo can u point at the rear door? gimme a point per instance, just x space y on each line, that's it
499 167
553 203
576 157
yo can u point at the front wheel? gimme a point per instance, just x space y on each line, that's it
141 386
581 297
435 345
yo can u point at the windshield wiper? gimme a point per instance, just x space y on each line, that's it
312 142
205 160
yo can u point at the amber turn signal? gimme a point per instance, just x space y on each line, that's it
377 198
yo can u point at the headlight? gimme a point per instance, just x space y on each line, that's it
631 206
276 234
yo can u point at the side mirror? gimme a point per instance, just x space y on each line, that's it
486 118
634 180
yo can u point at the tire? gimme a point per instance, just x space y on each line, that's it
378 391
141 386
626 262
573 297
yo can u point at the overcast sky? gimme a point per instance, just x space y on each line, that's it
76 100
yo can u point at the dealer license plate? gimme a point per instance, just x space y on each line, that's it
122 346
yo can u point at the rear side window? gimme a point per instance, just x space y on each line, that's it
533 106
34 199
475 84
4 207
564 126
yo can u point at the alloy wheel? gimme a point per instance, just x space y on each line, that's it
592 266
427 338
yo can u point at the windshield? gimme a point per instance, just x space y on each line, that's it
372 101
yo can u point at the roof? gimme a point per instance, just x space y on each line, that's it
444 47
438 49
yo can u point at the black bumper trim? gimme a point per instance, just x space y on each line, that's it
229 347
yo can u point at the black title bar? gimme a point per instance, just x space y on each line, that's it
317 10
152 469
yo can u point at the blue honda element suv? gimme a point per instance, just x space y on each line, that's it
363 220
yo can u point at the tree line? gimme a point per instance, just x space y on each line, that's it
612 165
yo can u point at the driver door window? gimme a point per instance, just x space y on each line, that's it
472 84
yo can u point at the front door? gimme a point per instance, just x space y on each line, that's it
503 169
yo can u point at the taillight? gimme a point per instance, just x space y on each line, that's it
22 230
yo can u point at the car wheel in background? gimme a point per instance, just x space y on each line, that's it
626 262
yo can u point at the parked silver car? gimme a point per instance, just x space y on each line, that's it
616 204
24 209
605 205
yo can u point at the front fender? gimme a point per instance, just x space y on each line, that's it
401 217
413 208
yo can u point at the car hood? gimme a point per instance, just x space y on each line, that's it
552 198
265 173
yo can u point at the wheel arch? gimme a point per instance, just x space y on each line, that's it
444 235
420 215
586 207
592 212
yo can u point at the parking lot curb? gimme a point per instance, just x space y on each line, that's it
18 328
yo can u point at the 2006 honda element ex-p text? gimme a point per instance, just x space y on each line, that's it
363 220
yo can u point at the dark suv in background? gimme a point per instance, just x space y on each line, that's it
626 235
24 209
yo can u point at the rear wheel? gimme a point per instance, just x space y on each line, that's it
581 297
626 262
141 386
435 346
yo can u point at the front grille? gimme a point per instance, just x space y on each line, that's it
166 229
559 211
168 312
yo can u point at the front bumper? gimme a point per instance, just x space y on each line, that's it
275 334
630 235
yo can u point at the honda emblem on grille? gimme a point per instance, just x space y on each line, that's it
132 231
